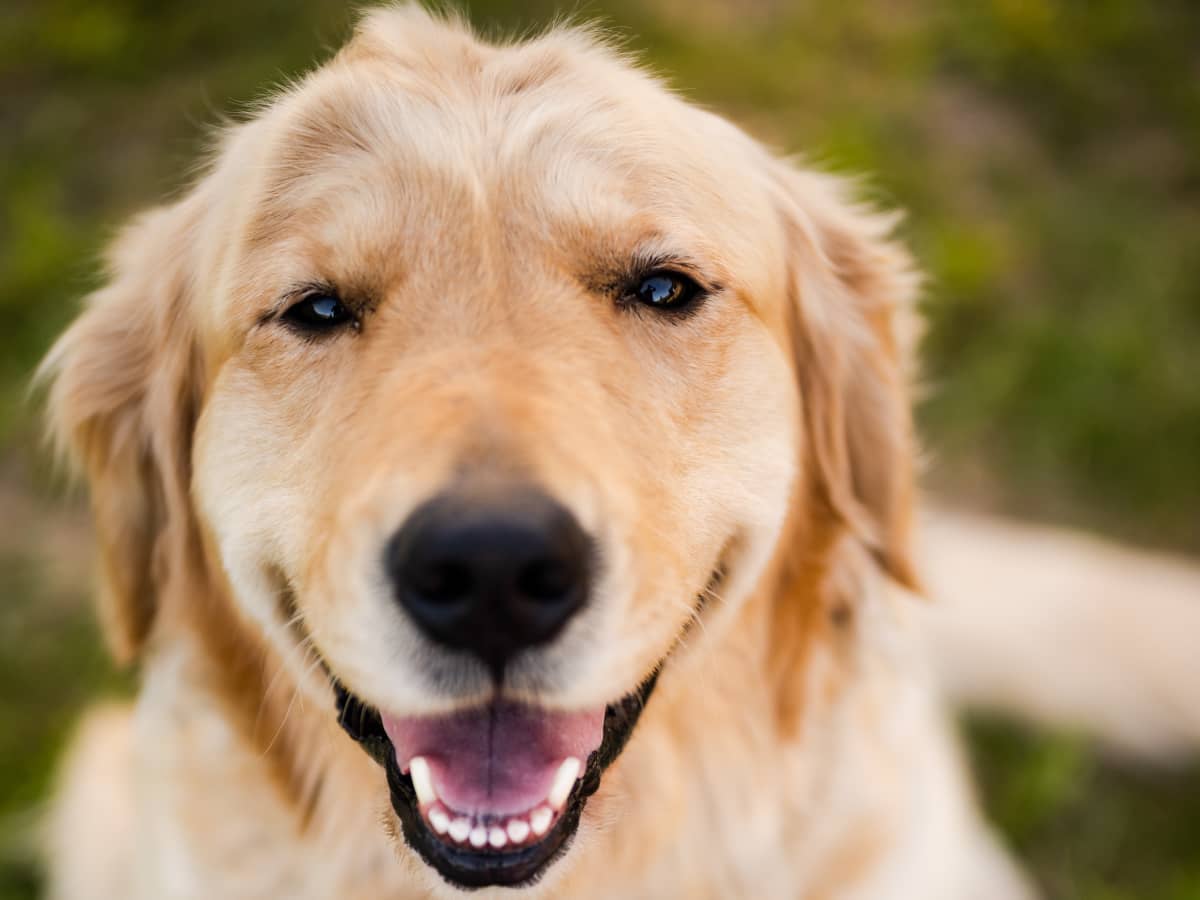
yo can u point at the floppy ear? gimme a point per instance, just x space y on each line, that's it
123 399
852 328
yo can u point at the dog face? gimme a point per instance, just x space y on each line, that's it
483 373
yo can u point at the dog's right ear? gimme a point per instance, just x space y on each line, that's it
124 393
852 329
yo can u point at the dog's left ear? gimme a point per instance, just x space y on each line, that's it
851 326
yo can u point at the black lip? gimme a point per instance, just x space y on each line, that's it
469 868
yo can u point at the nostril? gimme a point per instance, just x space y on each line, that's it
546 580
447 581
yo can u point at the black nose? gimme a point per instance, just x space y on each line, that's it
491 573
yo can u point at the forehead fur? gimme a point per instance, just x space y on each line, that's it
428 93
420 116
422 43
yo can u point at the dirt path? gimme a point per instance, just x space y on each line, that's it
51 532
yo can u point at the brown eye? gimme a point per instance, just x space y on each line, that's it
318 312
666 290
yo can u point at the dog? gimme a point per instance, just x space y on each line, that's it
503 476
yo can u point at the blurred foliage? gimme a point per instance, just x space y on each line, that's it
1088 826
1048 154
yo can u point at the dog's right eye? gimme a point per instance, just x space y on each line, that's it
318 312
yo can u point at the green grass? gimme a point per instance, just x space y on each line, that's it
1088 826
1048 152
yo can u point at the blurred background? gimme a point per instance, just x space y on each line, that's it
1047 153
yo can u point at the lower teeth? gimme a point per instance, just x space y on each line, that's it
462 830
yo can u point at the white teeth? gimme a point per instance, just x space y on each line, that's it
439 820
459 829
418 770
540 820
518 830
564 780
515 831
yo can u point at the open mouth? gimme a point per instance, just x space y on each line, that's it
492 795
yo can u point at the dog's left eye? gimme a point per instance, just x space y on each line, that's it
666 290
318 312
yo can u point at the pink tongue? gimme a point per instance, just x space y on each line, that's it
498 759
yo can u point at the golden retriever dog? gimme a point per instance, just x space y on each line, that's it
503 475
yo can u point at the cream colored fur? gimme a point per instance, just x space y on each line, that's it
1066 629
477 202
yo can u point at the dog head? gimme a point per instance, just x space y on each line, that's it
474 375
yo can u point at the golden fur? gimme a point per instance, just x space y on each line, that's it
477 198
